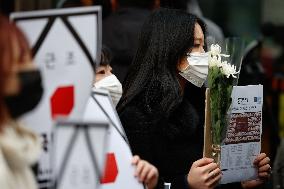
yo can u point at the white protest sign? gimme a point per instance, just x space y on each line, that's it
77 148
118 171
243 137
66 45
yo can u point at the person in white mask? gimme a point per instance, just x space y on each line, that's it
162 105
105 79
195 68
145 172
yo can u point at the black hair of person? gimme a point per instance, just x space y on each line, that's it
166 36
106 56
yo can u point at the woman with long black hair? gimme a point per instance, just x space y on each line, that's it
162 105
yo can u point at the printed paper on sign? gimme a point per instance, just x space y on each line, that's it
243 137
242 142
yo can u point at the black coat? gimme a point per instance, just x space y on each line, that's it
171 143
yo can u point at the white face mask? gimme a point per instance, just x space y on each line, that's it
112 84
197 70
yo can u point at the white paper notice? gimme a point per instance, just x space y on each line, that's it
243 137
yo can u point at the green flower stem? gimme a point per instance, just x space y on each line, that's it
220 100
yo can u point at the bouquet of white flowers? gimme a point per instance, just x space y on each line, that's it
220 80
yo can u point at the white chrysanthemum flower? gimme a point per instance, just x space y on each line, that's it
215 50
214 61
229 70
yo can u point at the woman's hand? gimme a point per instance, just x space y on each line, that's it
264 171
204 174
145 172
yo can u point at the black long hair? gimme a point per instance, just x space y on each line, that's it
166 36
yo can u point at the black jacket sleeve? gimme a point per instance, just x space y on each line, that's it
138 132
